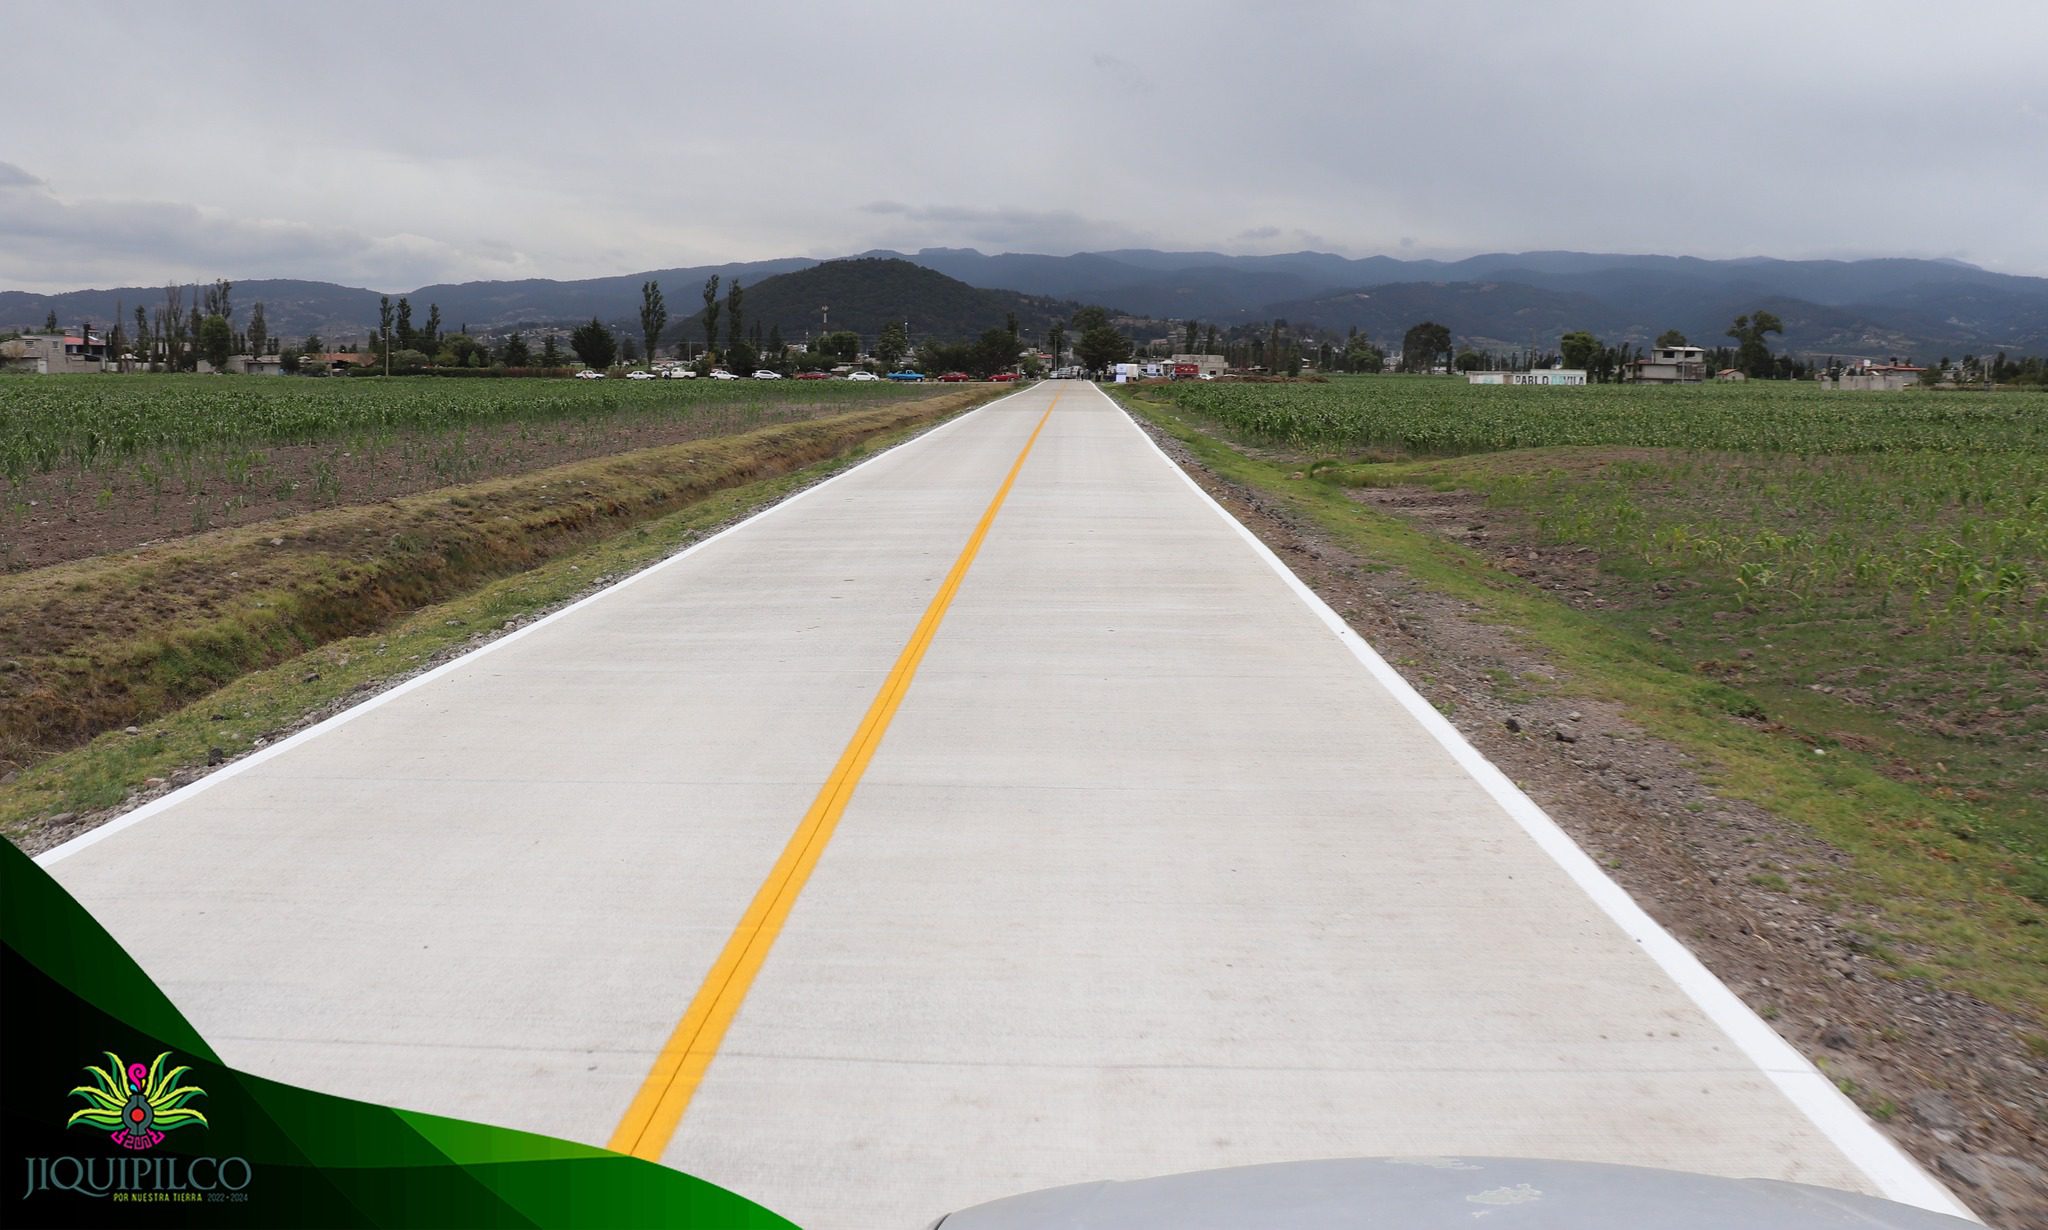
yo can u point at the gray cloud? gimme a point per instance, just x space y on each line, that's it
482 146
52 241
1005 228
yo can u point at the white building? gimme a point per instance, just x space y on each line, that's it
1672 365
1547 376
1875 377
53 354
1211 365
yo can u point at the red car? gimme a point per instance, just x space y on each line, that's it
1005 377
955 377
812 376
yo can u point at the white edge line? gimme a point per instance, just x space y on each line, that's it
1896 1175
184 793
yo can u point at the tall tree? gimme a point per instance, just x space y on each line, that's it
216 341
171 327
735 321
995 352
710 315
1670 338
1752 352
259 331
892 345
1423 344
405 334
741 357
430 337
50 322
217 299
594 344
1100 346
516 354
1579 349
1190 330
1056 337
550 352
841 344
143 344
653 315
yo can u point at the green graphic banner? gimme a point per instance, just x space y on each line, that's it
115 1112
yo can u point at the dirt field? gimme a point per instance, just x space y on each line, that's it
69 514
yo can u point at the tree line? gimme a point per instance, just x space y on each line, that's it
196 323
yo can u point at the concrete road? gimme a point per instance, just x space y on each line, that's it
1115 859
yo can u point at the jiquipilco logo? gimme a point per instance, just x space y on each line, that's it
136 1106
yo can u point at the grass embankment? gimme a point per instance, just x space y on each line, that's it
1943 831
125 639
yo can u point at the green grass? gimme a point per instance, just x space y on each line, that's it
1426 416
1845 594
95 422
1953 869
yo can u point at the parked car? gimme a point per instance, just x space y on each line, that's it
642 376
911 377
589 375
955 377
813 376
862 376
681 373
1006 377
765 374
719 373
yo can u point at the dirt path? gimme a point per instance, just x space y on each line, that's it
1944 1074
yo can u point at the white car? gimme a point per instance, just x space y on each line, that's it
862 376
589 375
765 374
641 376
681 373
719 373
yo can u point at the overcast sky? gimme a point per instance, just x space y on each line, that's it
393 146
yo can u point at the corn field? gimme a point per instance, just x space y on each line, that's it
93 422
1439 417
1927 508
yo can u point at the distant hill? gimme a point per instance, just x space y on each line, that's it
346 313
1522 299
864 294
1922 308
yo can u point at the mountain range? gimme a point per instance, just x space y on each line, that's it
1875 308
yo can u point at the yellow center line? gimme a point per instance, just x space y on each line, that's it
657 1110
